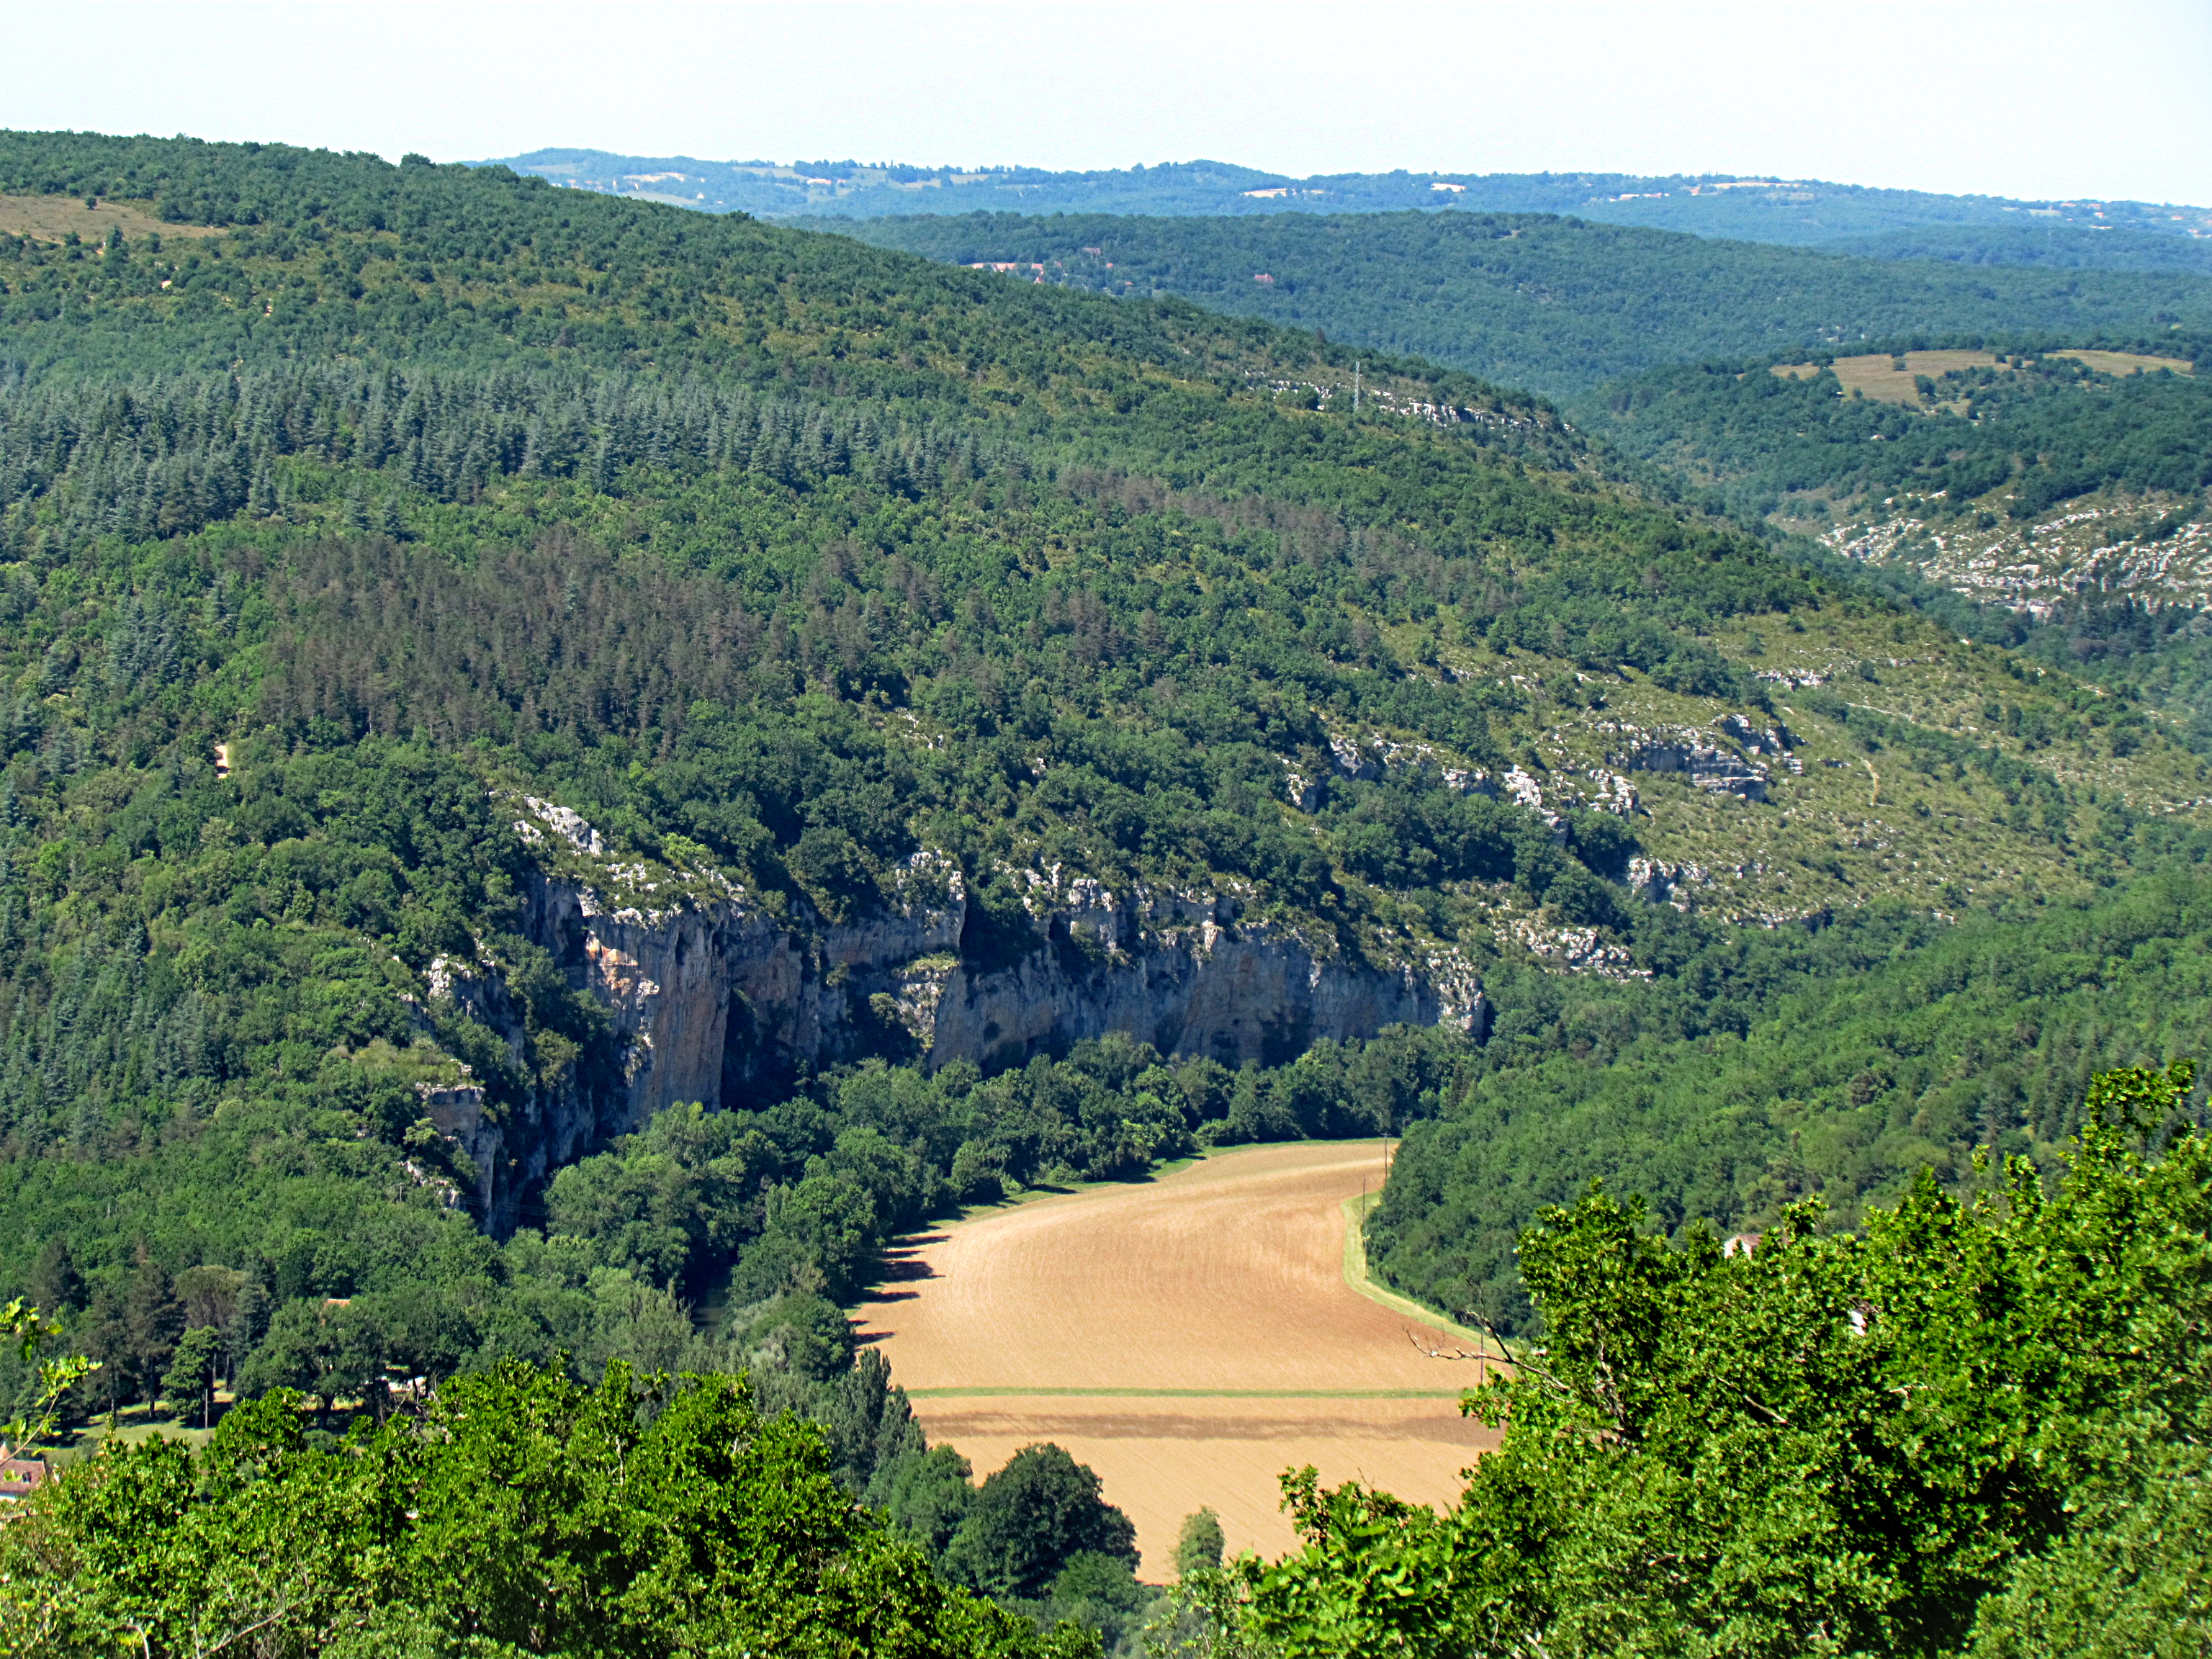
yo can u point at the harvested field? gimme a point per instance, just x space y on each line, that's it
1190 1338
1878 376
2127 363
50 218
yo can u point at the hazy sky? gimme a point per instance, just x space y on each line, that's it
2021 99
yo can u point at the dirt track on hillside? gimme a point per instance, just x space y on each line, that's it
1223 1279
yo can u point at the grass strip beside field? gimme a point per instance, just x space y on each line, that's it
1355 1274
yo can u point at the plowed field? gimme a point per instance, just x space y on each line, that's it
1189 1337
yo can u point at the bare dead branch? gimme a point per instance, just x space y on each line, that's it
1432 1352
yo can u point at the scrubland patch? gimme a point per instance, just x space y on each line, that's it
51 218
1877 375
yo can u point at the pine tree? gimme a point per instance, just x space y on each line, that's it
56 1285
152 1320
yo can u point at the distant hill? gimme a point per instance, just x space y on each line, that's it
2017 435
1799 211
1558 304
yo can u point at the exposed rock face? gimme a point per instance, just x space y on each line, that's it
1719 770
1184 973
2148 549
1655 881
714 998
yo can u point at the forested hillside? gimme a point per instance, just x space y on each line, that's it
1016 578
423 589
1556 304
2024 431
2061 247
1888 1049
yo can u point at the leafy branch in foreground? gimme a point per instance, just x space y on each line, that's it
32 1332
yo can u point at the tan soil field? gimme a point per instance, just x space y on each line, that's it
50 218
2127 363
1189 1337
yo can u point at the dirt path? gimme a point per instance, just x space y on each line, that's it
1190 1339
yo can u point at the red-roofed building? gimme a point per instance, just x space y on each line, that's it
20 1476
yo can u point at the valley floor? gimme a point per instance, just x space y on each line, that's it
1189 1337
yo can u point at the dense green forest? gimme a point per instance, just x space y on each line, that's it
791 566
517 1513
2059 247
1556 304
1978 452
1882 1051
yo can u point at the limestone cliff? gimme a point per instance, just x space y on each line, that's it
712 996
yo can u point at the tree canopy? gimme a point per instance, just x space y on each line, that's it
514 1513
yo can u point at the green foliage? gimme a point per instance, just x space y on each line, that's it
2130 1575
798 1333
32 1331
927 1496
1031 1521
1907 1440
1098 1592
802 1197
1200 1544
194 1365
2067 247
516 1513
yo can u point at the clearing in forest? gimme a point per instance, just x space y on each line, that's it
51 219
1878 376
1189 1337
2128 362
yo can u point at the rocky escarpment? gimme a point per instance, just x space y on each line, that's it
1719 769
712 995
1189 973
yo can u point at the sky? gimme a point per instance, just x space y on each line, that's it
2027 98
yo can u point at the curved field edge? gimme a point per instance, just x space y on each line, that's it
1355 1212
